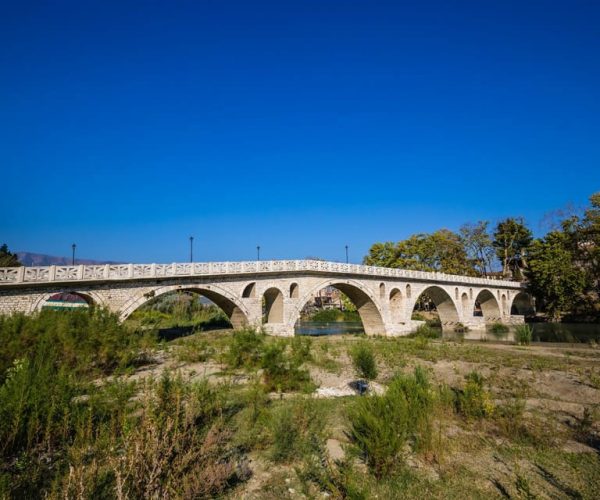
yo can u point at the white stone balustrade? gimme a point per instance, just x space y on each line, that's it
10 276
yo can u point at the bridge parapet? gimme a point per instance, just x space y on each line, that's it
11 276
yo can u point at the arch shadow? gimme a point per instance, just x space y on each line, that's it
233 308
444 304
490 309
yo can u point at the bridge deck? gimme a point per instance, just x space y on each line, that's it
20 276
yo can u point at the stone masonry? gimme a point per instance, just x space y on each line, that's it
273 293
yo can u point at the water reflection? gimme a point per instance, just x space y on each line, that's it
334 328
542 332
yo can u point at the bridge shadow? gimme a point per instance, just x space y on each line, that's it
176 332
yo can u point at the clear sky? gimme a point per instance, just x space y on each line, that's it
302 126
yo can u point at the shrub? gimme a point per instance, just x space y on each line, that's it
177 442
301 349
426 332
281 371
381 426
327 315
296 430
363 361
195 350
87 341
509 415
474 401
523 334
434 322
245 348
498 328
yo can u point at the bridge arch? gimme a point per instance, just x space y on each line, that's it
490 309
444 304
294 291
521 304
91 298
249 291
360 295
231 306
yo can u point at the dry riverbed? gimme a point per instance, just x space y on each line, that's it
548 449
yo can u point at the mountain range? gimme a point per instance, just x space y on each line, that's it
40 259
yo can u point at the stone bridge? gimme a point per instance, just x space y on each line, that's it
273 293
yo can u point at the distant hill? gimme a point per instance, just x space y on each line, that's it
39 259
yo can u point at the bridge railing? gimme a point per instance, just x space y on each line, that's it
49 274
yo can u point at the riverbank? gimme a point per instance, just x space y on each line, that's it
91 408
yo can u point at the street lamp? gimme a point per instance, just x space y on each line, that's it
258 252
191 249
73 246
346 254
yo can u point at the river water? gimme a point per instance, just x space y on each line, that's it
542 332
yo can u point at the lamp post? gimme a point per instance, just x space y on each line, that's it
258 252
191 249
73 246
346 254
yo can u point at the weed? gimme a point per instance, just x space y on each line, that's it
296 430
473 401
195 350
523 334
363 361
426 332
381 426
281 371
245 348
498 328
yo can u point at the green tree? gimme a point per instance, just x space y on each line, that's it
478 245
8 259
511 240
554 274
382 254
441 251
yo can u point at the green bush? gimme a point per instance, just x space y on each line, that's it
302 349
87 341
175 440
382 426
296 430
195 350
523 334
434 322
498 328
245 348
474 401
282 371
363 361
327 315
425 331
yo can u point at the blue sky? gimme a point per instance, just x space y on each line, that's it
126 127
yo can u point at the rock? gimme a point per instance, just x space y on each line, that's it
334 449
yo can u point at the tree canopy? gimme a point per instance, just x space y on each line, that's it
8 259
441 251
562 268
